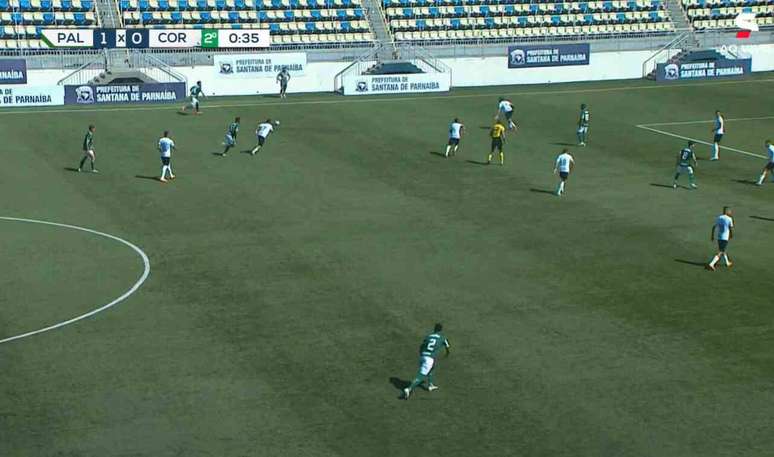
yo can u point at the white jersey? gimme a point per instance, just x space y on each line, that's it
720 125
724 224
264 129
505 106
563 162
455 130
165 146
770 151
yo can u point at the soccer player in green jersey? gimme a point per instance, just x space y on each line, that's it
686 162
428 351
88 149
231 135
583 125
195 93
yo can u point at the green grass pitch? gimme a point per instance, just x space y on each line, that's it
289 291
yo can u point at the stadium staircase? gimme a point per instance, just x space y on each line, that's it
381 30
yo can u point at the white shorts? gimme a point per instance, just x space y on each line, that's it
229 140
583 129
685 169
425 365
89 153
194 101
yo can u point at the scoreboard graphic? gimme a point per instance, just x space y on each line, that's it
156 38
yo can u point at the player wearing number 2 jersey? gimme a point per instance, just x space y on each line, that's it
428 351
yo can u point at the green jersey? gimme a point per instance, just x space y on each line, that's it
432 344
233 129
686 157
583 121
88 141
195 91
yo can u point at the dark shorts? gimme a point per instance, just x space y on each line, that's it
508 115
497 143
564 175
261 140
770 166
165 160
454 141
283 86
718 137
722 244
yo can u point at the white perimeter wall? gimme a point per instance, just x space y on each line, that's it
487 71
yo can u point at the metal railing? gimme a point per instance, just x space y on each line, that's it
665 53
154 68
86 72
359 65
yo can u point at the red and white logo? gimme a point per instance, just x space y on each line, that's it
746 22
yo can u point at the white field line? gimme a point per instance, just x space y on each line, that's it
122 297
751 154
523 91
737 119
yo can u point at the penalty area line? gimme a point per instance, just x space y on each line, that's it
751 154
122 297
737 119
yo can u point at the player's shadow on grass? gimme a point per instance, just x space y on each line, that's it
152 178
691 262
654 184
564 144
71 169
398 383
436 153
761 218
476 162
541 191
749 182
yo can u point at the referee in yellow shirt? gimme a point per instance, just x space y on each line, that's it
498 138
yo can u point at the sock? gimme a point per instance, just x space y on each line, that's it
430 379
761 178
502 158
677 176
725 259
164 171
559 188
580 137
692 179
455 149
169 168
448 148
489 159
226 150
714 260
83 160
583 135
416 382
92 165
715 150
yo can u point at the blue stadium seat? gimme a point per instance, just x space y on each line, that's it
263 17
25 5
295 4
147 16
312 3
455 23
346 26
274 27
143 5
240 4
233 16
67 4
341 14
3 4
124 5
164 5
48 18
17 18
201 5
177 16
421 24
219 4
80 18
46 4
316 14
289 15
484 9
310 27
360 14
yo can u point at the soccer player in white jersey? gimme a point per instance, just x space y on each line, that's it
505 108
455 135
166 145
262 133
719 129
769 168
724 225
563 165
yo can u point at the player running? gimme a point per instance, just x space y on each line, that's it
505 109
282 79
724 225
195 93
166 145
769 168
231 134
564 165
686 162
262 133
497 133
719 129
455 135
428 352
583 125
88 149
